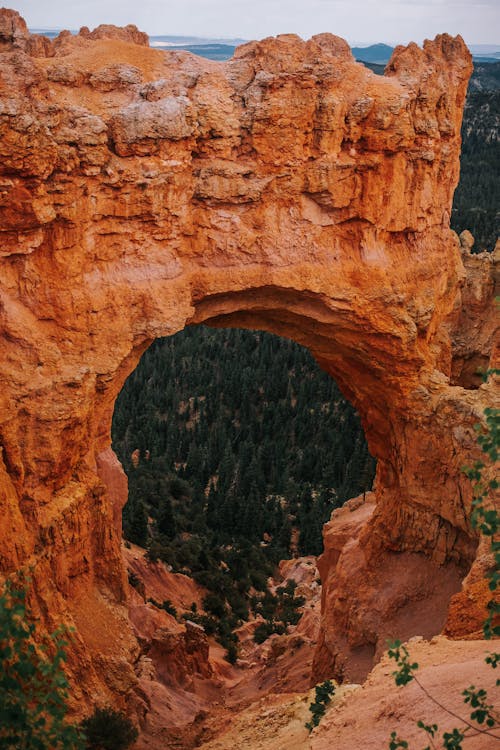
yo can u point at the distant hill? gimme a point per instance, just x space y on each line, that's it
375 53
375 67
212 51
381 53
485 76
165 40
482 52
51 33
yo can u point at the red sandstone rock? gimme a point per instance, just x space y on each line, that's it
13 29
289 189
110 470
400 595
364 716
129 33
160 584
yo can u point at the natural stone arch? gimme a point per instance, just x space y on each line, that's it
288 189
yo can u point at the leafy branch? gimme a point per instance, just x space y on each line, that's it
484 517
324 693
33 686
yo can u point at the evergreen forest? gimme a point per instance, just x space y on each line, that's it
476 204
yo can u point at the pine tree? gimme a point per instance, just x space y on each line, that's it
137 527
166 521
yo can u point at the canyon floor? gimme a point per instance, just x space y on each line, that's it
196 699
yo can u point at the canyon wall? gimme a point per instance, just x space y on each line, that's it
289 189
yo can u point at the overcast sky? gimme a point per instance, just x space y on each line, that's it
359 21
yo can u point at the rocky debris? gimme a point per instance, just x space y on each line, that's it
115 76
221 182
288 189
180 674
276 722
180 657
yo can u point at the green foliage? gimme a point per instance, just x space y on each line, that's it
324 693
431 729
33 686
453 740
279 610
232 653
133 579
107 729
166 605
135 522
263 631
396 742
401 656
485 517
215 605
169 607
482 711
226 451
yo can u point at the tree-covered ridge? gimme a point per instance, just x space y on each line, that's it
237 447
476 205
258 434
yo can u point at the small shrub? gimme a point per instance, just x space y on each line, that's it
263 631
324 693
169 607
214 604
33 686
133 579
232 653
108 729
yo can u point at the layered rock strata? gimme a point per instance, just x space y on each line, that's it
289 189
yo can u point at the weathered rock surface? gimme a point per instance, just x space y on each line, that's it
288 189
402 594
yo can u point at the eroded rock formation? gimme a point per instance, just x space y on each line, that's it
288 189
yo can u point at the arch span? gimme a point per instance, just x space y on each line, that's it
288 189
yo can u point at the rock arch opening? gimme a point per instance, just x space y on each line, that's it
261 399
238 448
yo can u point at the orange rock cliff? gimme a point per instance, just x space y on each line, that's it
289 189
